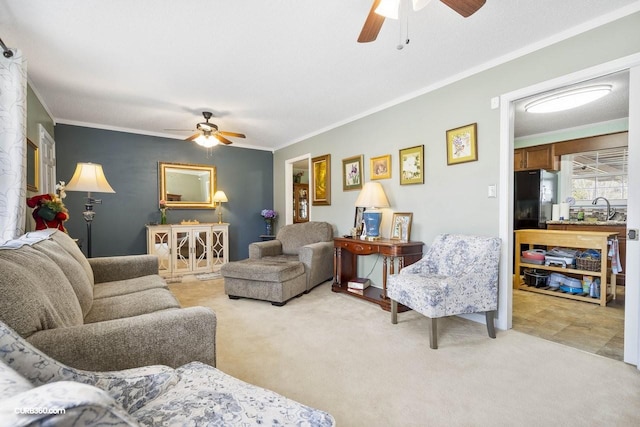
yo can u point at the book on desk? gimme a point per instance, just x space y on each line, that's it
358 284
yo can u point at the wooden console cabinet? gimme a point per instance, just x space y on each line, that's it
345 264
569 239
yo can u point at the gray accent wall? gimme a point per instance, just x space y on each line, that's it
130 163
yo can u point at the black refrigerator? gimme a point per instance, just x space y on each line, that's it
535 193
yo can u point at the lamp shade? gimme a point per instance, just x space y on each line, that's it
219 196
372 196
89 177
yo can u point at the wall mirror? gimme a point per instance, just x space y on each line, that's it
33 168
187 186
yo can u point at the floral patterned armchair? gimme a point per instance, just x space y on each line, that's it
36 390
458 274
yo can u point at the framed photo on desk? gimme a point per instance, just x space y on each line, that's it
401 226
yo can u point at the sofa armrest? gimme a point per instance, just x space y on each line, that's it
318 262
171 337
259 250
110 269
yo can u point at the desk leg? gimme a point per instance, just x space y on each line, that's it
337 265
385 260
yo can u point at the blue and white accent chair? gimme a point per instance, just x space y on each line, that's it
458 274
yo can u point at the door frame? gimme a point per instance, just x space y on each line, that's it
505 210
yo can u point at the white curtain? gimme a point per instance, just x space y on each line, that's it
13 145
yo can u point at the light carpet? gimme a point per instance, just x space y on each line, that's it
342 355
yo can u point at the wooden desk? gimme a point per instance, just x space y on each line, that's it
345 264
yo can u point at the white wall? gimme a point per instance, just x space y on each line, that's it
453 198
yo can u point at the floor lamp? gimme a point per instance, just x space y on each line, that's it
89 177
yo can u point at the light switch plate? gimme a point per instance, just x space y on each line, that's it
492 192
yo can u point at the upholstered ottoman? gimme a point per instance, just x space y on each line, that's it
267 280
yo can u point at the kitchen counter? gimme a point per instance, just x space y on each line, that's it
587 222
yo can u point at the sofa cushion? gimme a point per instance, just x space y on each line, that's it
294 236
128 286
263 270
35 292
122 306
71 268
72 249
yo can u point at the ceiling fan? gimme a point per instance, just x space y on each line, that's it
207 134
389 8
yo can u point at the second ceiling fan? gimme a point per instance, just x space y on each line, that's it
389 8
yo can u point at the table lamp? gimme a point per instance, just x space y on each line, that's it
89 177
218 198
372 197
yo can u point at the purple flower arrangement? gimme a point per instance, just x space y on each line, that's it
269 214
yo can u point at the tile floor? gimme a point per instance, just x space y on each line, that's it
578 324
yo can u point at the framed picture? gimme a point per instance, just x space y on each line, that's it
357 220
381 167
462 144
33 166
352 173
412 165
321 180
401 226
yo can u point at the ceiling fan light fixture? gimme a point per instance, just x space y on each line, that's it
206 141
568 99
388 8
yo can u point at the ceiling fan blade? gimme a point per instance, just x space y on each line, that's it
236 135
465 8
192 137
222 139
372 25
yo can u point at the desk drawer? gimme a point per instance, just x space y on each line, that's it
358 248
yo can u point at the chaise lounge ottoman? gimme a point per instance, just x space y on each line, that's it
263 279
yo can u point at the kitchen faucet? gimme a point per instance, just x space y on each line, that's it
610 211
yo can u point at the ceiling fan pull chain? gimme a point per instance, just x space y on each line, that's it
402 40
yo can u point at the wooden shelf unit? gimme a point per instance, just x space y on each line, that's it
560 238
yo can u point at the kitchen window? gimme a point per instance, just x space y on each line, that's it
602 173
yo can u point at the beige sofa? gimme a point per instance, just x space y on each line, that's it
98 314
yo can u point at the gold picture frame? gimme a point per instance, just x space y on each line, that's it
380 167
462 144
352 173
321 180
401 226
412 165
33 166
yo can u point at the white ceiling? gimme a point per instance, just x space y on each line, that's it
278 71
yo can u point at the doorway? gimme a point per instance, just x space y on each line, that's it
507 131
577 179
